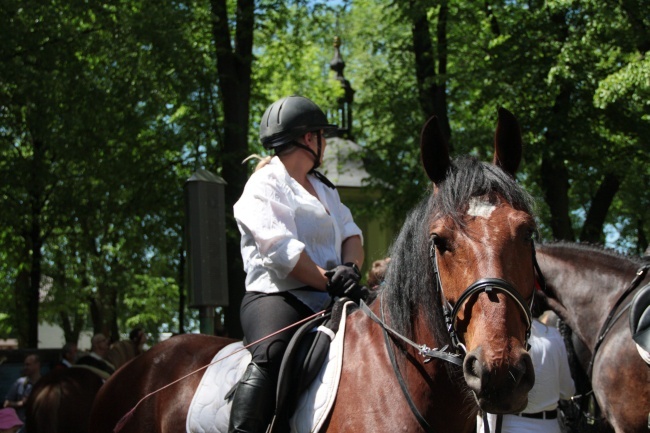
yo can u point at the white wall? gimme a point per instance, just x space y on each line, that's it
51 337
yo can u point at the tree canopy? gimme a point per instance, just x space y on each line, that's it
107 108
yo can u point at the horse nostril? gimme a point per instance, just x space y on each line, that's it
473 371
517 374
528 375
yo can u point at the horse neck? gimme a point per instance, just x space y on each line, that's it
431 384
588 281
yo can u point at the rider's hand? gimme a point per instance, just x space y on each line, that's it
342 278
356 293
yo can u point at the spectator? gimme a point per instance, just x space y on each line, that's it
123 351
20 390
68 357
377 272
9 421
96 359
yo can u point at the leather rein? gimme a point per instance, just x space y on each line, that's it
450 313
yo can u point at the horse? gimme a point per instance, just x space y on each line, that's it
461 281
62 399
590 289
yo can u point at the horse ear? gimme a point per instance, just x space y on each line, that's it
434 151
507 142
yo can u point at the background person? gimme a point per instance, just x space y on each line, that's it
123 351
9 421
68 356
299 244
96 359
22 388
377 272
553 382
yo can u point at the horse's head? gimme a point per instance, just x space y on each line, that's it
481 231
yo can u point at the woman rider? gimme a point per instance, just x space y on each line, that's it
299 244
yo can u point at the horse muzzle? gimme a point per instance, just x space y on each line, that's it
503 387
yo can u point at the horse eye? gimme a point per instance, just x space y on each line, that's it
440 242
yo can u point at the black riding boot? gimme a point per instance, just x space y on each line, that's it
254 401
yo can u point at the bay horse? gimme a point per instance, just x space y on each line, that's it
586 286
62 399
461 277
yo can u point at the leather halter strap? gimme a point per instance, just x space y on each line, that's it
488 285
482 285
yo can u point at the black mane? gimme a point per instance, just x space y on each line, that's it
410 287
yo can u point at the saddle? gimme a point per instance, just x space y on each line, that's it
302 361
640 318
301 406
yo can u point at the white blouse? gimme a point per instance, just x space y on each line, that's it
279 219
552 382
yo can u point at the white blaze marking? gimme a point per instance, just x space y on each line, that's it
480 208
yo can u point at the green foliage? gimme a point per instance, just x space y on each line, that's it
106 108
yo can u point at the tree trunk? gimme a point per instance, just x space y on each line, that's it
432 89
21 288
234 72
181 287
592 229
642 239
35 240
553 172
555 184
635 14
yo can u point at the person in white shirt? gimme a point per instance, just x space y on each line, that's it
553 382
299 244
96 359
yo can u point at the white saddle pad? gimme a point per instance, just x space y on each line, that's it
209 412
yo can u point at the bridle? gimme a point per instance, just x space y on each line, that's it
483 285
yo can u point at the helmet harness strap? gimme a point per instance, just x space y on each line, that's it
317 157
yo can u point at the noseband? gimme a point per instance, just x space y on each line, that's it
487 285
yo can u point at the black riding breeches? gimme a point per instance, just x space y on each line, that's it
265 313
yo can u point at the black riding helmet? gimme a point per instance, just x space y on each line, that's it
289 118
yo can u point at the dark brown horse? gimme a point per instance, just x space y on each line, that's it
61 401
464 255
585 284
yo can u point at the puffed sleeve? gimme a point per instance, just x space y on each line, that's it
346 223
264 212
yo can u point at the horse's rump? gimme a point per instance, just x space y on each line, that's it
156 370
61 401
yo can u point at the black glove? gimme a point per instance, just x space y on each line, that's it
356 293
342 278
